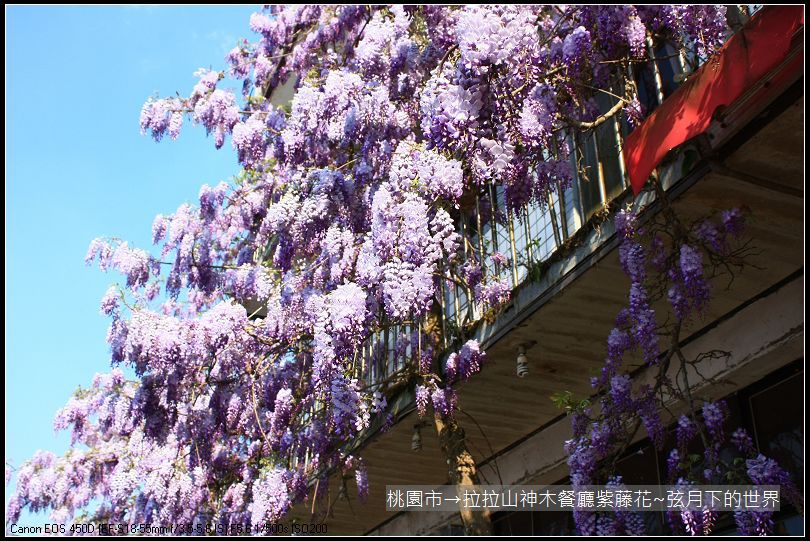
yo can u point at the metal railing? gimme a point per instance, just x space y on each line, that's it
527 238
535 233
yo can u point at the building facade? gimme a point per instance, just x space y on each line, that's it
568 287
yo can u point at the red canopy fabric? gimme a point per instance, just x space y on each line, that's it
748 56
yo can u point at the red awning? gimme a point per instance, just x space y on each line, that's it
748 56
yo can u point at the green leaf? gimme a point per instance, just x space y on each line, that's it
561 399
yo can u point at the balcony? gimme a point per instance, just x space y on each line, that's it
567 286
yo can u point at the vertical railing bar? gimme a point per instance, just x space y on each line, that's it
561 199
358 365
467 291
363 375
600 170
528 227
659 83
390 340
410 329
389 358
366 361
493 228
370 365
480 250
387 352
472 308
380 358
382 362
371 361
513 246
619 144
419 331
563 212
456 302
442 303
577 177
480 236
413 357
357 352
552 211
409 354
419 338
457 305
464 234
372 368
682 61
552 214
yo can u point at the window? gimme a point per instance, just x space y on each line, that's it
771 410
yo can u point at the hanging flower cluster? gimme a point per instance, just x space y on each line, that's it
672 265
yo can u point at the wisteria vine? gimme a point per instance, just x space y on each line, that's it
249 331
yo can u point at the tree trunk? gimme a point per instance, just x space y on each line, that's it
463 473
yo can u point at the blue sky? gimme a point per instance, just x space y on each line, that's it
77 168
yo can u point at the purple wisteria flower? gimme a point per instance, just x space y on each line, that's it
685 431
621 392
472 273
218 113
576 48
465 363
674 464
538 116
690 290
705 26
444 401
766 471
109 303
733 221
422 399
270 496
626 223
743 442
499 259
250 141
626 522
494 294
361 477
634 112
714 416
